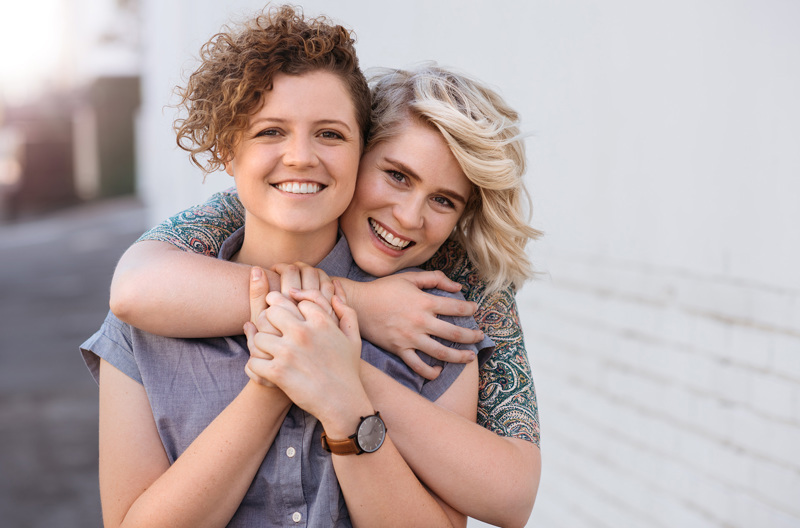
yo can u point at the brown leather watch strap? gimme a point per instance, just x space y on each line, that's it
340 447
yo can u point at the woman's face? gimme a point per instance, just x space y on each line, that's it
409 197
296 164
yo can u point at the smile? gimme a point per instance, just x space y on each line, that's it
387 238
299 188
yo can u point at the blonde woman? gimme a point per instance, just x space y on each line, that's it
488 470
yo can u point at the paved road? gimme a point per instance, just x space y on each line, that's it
54 276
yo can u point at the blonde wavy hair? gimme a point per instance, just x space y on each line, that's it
483 134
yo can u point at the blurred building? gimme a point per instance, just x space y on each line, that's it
74 139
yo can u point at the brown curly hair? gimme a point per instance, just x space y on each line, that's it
238 66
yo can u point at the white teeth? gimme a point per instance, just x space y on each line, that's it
299 188
388 238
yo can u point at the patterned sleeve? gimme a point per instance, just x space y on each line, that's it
507 398
202 228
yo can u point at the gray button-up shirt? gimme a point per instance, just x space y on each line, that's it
190 381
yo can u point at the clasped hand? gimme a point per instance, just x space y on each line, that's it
306 343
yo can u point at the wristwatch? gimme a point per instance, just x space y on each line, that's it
368 438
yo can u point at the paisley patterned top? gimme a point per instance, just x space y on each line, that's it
507 399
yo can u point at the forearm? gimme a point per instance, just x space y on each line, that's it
483 475
206 484
169 292
379 488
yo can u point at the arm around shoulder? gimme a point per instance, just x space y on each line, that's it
166 291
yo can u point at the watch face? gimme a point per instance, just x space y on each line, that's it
371 434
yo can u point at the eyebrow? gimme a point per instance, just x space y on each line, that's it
322 122
410 172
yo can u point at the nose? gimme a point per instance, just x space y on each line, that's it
300 152
409 211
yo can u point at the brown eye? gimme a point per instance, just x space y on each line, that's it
330 134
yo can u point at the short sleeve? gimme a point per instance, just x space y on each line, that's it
202 228
507 397
112 343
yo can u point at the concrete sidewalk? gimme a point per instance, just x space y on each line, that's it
54 277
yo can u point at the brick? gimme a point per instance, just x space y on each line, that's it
768 516
783 443
732 383
714 417
752 433
786 356
712 336
716 298
779 485
712 497
774 396
774 308
751 347
732 467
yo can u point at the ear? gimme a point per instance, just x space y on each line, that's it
229 167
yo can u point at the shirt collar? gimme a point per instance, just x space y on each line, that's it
337 263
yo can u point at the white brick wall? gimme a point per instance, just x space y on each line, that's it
666 399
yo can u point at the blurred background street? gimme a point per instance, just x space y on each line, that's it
54 277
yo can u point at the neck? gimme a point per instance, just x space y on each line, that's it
266 247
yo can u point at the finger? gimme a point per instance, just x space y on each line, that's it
254 375
316 297
454 333
258 292
348 319
454 307
273 280
284 319
339 290
279 299
326 285
290 277
263 325
251 333
416 364
431 279
309 276
437 350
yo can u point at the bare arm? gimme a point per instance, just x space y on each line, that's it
316 360
206 484
486 476
166 291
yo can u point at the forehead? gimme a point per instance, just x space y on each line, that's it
313 95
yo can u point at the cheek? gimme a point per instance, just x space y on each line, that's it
442 230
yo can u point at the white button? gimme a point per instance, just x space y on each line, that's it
290 453
296 517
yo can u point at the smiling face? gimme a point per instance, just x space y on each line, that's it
409 197
295 165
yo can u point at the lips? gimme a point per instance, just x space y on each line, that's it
299 188
388 239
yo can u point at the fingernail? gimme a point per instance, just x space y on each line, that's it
255 274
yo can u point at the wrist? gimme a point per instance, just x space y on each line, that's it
343 417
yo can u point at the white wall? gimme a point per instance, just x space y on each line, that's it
665 170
